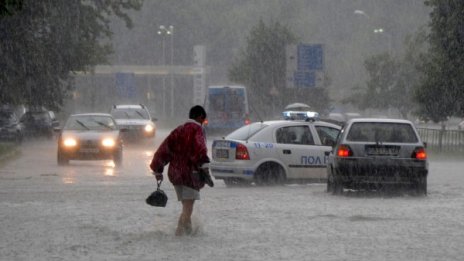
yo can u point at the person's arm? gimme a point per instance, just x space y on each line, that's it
200 156
161 158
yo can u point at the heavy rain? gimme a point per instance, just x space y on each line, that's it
132 69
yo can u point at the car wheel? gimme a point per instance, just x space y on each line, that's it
62 159
269 174
337 188
421 186
50 134
330 182
117 158
236 182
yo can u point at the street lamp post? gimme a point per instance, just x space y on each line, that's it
171 28
163 32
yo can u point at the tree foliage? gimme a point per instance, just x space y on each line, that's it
441 90
43 42
392 81
262 67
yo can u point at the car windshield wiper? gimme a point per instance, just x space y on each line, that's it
103 124
82 124
140 114
128 115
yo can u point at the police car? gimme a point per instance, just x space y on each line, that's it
274 152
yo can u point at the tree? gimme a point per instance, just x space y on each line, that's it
42 43
262 68
392 81
441 90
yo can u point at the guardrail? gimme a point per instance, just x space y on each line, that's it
443 140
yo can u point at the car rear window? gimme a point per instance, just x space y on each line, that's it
245 132
382 132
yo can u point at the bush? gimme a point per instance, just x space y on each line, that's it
5 149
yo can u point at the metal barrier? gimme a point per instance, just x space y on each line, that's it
442 139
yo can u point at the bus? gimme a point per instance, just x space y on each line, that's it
227 107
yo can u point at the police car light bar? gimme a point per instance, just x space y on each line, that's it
301 115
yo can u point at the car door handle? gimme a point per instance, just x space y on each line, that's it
287 152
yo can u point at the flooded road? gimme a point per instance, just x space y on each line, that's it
92 210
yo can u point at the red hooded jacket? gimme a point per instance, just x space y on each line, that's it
185 151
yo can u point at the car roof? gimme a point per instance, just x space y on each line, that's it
378 120
128 106
299 122
92 114
232 86
36 112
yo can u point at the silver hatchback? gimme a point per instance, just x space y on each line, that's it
372 154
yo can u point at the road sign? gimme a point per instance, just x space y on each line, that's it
305 65
310 57
304 79
125 85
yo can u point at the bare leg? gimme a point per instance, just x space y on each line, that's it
184 225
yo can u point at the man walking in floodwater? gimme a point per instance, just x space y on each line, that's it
186 152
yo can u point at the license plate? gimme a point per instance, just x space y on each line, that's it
382 150
89 150
222 154
222 144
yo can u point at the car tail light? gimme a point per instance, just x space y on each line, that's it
205 122
344 151
247 121
241 152
419 153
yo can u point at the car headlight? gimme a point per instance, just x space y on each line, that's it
69 142
149 128
108 142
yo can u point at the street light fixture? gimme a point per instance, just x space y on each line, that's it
377 30
360 12
383 32
167 31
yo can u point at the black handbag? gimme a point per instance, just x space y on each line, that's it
203 175
158 198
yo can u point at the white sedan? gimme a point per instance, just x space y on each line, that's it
274 152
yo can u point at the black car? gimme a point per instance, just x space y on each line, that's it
374 154
39 123
10 128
